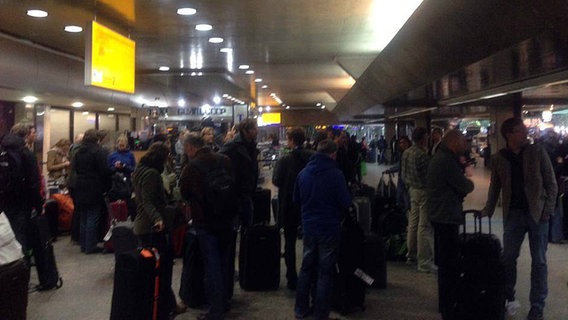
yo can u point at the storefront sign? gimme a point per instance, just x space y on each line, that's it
224 113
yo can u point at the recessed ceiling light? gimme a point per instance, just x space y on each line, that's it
226 50
85 113
287 107
249 72
258 80
164 68
264 86
203 27
186 11
29 99
215 40
244 66
181 102
73 29
323 106
77 104
318 104
110 109
37 13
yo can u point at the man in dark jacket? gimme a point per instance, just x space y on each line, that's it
284 176
19 204
214 230
90 181
322 193
446 187
243 154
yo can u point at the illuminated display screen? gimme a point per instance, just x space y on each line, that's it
109 59
266 119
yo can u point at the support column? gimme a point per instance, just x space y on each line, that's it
497 115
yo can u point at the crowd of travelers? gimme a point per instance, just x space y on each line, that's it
315 182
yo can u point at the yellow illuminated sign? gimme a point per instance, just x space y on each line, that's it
269 118
109 59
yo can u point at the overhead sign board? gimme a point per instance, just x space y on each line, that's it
109 59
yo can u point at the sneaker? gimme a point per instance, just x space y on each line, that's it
512 307
429 268
535 314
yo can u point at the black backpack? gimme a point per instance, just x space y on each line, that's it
12 179
121 188
220 199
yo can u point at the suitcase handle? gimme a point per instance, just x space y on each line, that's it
477 220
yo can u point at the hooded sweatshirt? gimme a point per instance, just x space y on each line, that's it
321 191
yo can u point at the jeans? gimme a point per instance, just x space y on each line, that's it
167 299
320 258
420 238
89 227
447 256
517 223
290 235
216 249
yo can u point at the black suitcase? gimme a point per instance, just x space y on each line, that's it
375 260
44 257
364 213
136 285
261 200
259 258
123 237
14 280
348 289
51 209
191 289
480 288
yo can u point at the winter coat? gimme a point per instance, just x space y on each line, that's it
243 155
91 177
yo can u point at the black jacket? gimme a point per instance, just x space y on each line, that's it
284 176
91 177
243 155
30 197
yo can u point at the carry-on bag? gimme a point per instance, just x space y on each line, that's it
480 287
259 258
51 209
14 280
348 289
375 260
44 257
136 285
262 202
191 289
117 212
364 213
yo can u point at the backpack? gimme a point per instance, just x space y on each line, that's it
220 199
12 179
121 188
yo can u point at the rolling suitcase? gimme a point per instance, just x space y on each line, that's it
348 289
259 258
375 260
480 288
136 285
117 212
364 213
51 209
14 279
191 289
44 258
261 201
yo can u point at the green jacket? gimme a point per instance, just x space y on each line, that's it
539 179
150 199
446 186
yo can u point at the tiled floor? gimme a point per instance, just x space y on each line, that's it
87 288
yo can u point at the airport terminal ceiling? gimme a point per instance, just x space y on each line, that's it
306 53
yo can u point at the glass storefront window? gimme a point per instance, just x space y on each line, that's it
60 124
83 121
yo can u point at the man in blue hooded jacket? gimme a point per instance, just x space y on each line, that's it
322 193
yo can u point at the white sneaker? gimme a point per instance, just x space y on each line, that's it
512 307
